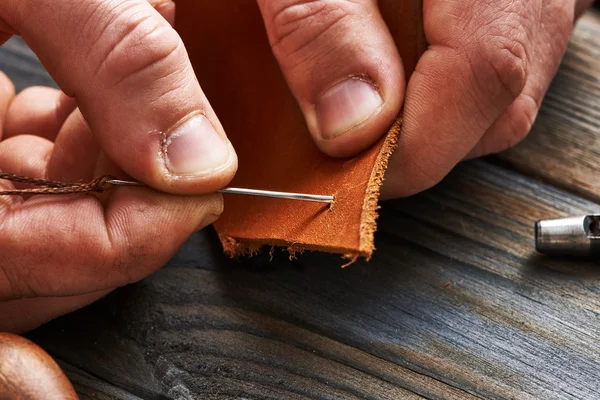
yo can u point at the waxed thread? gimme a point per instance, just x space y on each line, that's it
98 185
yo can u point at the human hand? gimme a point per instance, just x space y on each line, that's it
136 110
476 90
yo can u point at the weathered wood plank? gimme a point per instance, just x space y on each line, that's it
22 66
455 304
89 387
564 145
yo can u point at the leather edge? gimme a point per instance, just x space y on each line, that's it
368 223
236 247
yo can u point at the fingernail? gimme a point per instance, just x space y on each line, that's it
195 147
346 105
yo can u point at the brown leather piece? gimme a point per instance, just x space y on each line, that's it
232 58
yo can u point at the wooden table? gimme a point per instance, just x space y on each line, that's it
455 304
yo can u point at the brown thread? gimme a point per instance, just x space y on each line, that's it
98 185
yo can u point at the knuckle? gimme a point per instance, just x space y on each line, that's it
295 24
144 46
506 57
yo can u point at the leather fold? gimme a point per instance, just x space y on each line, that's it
232 58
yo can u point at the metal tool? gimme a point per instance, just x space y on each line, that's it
251 192
575 236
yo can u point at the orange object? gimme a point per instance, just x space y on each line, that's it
231 55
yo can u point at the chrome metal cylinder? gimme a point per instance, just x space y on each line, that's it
576 236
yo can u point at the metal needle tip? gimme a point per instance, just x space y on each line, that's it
279 195
119 182
251 192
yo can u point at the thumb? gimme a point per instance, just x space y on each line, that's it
134 84
342 65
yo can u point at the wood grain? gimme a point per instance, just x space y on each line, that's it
454 305
90 387
22 66
492 320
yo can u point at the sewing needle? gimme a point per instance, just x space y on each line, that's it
251 192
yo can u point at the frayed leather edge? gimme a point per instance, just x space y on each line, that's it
351 257
368 222
238 247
